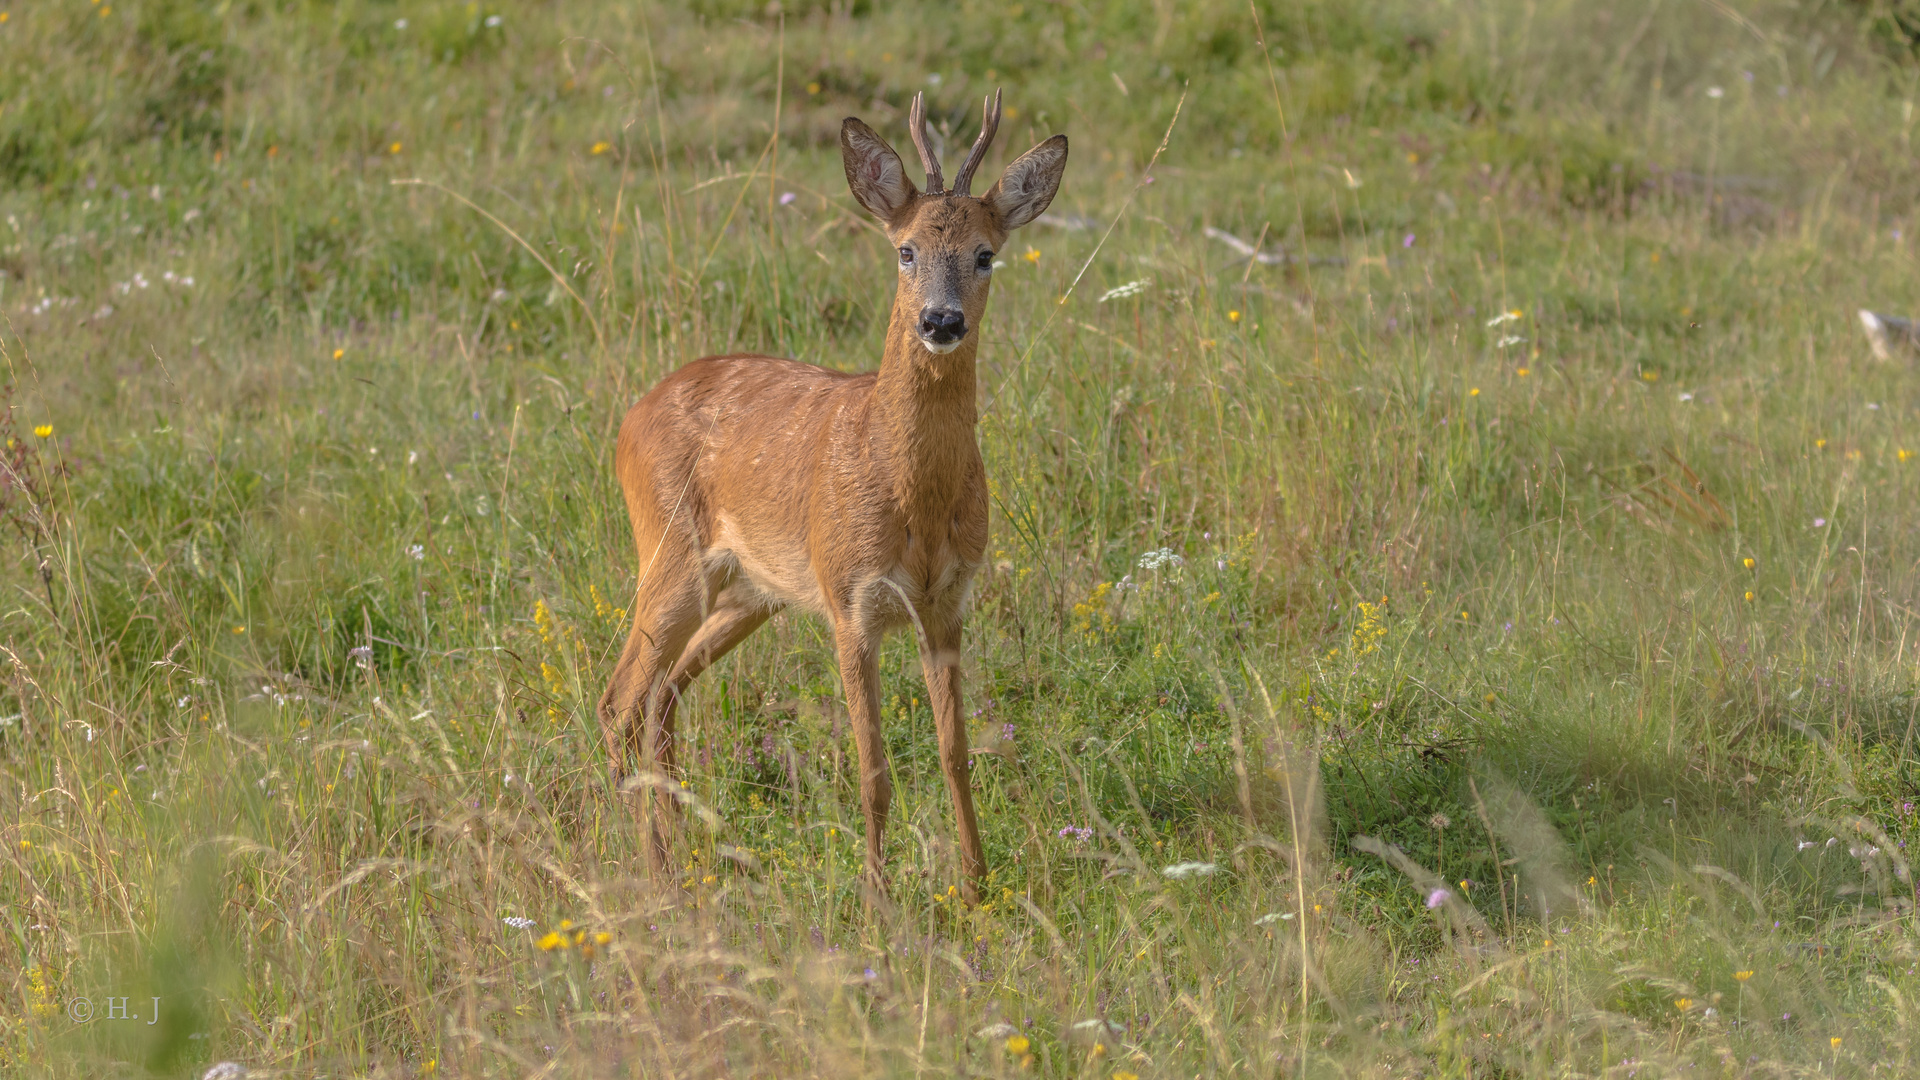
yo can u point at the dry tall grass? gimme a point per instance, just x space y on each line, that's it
1459 631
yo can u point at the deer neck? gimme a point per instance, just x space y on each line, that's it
923 415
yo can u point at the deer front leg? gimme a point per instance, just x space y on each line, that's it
860 676
940 663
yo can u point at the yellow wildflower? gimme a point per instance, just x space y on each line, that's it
1092 617
45 431
46 999
552 940
394 149
1367 635
1032 255
601 147
1683 1004
1017 1044
1742 976
1233 316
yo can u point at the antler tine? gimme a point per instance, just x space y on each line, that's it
989 125
917 126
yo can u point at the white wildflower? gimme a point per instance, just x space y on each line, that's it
1095 1027
996 1031
1154 560
1182 871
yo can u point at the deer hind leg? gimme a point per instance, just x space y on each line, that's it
858 649
940 664
636 710
737 612
734 615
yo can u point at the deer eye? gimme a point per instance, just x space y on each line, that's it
984 260
906 256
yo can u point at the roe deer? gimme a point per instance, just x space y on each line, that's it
754 483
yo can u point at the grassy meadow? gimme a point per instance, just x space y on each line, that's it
1461 630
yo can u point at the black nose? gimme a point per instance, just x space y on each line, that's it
943 325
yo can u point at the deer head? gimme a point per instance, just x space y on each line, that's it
946 240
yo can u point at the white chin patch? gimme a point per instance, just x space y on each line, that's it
939 349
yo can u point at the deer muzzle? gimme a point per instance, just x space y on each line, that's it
942 328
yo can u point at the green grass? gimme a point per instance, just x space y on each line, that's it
315 582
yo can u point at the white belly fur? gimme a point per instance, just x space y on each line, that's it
791 580
781 580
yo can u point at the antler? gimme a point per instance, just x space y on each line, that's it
917 126
989 124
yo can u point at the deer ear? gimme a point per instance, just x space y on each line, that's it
874 172
1029 184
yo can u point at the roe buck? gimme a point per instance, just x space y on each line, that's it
754 483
